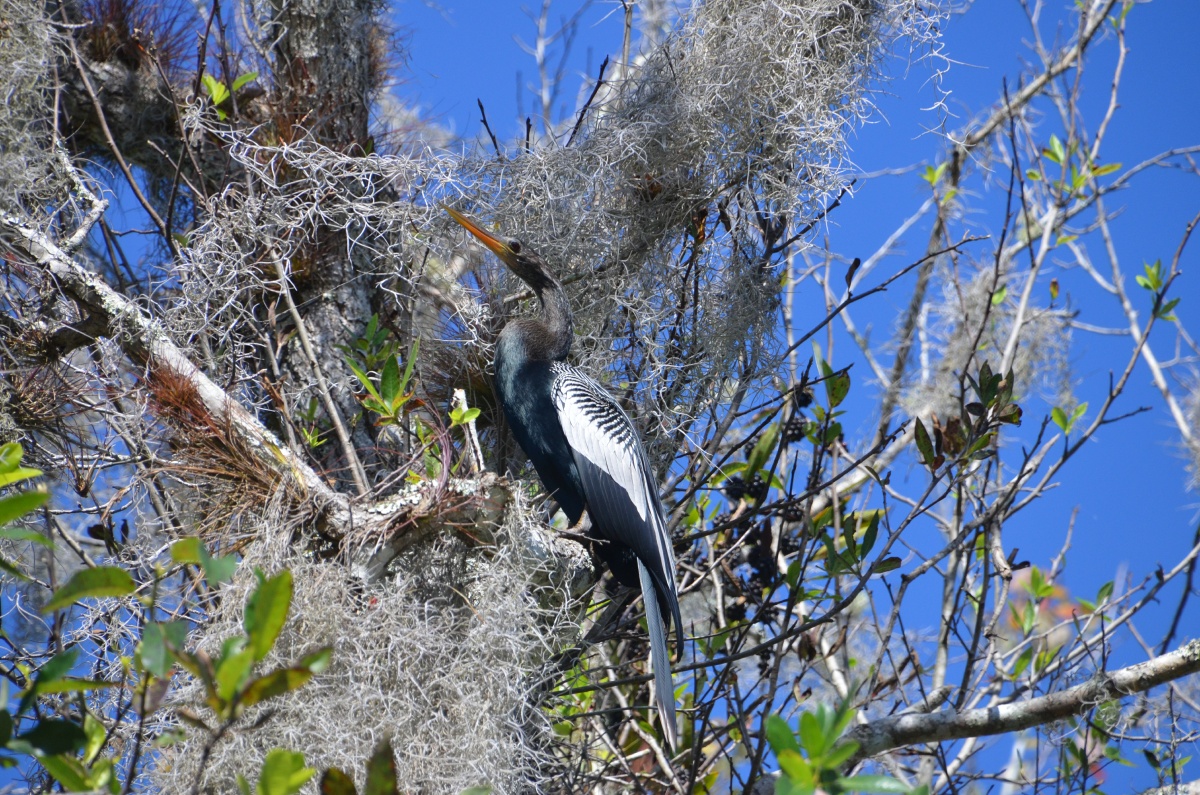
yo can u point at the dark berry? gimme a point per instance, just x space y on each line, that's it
735 611
756 489
793 429
792 512
803 396
735 487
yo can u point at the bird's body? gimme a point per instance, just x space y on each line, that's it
587 453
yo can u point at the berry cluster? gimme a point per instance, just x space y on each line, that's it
793 429
792 512
736 487
759 557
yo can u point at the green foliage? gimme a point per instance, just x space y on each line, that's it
192 551
1065 423
309 426
266 611
387 396
763 449
91 583
460 415
933 175
812 758
968 437
14 506
1154 280
218 93
837 383
283 773
381 776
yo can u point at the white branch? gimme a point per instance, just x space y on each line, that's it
912 729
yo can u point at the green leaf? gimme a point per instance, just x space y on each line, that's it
21 534
885 784
17 474
812 737
389 380
381 772
11 569
318 662
244 79
933 175
283 773
10 456
839 755
217 91
96 735
71 684
58 666
482 789
461 416
14 506
68 771
763 448
363 379
336 782
266 612
276 683
888 564
1032 175
1164 311
923 442
187 550
1055 153
98 582
837 387
219 568
157 641
233 672
51 736
795 767
1059 418
1106 169
999 296
780 735
784 785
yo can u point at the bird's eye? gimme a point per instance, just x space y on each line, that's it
515 246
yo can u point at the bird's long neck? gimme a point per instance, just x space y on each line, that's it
547 338
556 318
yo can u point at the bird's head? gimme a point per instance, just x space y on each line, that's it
512 252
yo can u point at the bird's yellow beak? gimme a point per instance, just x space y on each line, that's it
497 246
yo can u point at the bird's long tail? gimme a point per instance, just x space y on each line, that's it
660 658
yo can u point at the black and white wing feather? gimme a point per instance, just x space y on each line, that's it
623 504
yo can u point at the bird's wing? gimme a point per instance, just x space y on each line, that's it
618 485
623 505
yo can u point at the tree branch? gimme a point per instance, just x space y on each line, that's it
912 729
144 342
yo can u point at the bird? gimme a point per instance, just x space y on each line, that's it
587 453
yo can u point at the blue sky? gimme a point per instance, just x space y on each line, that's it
1130 484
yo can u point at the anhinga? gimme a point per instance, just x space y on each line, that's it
587 453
